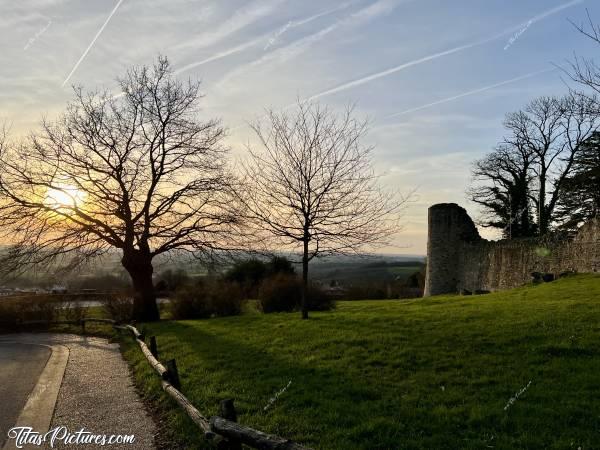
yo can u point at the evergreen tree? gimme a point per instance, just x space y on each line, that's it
502 190
580 200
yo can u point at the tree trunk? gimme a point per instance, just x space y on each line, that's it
542 219
139 267
305 281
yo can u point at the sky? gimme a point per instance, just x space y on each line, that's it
434 78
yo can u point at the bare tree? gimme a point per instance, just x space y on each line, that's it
552 129
311 187
585 70
140 174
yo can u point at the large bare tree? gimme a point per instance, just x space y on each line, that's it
310 188
140 173
552 130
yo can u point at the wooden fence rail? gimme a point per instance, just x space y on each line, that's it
224 432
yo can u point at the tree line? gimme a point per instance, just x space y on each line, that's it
544 175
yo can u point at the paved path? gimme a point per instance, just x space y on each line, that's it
20 368
97 391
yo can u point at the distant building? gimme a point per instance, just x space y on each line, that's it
58 289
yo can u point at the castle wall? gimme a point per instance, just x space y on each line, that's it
458 261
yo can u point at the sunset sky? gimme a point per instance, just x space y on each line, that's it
434 77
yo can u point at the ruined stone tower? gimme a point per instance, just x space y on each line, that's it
449 227
459 260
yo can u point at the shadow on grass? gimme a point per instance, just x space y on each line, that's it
318 400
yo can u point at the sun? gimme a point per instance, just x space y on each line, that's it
64 196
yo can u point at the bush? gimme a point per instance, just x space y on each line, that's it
247 274
319 300
206 299
280 293
118 307
9 315
73 311
283 293
250 273
40 308
35 307
280 265
171 280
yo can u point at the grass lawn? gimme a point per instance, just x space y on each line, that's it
431 373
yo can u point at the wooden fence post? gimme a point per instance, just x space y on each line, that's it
227 411
153 348
173 374
82 326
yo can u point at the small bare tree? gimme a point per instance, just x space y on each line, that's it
583 70
311 187
140 174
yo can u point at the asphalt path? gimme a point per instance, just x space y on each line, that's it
85 384
20 369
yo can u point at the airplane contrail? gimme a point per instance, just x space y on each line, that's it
472 92
93 42
384 73
220 55
556 9
256 41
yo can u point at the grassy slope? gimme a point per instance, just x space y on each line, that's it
430 373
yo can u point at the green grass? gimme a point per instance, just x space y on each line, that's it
432 373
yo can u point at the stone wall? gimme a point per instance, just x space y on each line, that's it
458 258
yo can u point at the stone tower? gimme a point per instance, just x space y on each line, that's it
449 227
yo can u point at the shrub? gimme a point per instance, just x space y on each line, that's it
280 265
247 271
73 311
283 293
34 308
319 300
171 280
39 308
280 293
247 274
119 307
206 299
9 314
250 273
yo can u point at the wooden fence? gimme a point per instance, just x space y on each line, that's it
223 431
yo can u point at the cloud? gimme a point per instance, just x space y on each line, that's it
263 38
299 46
297 23
13 19
239 20
398 68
